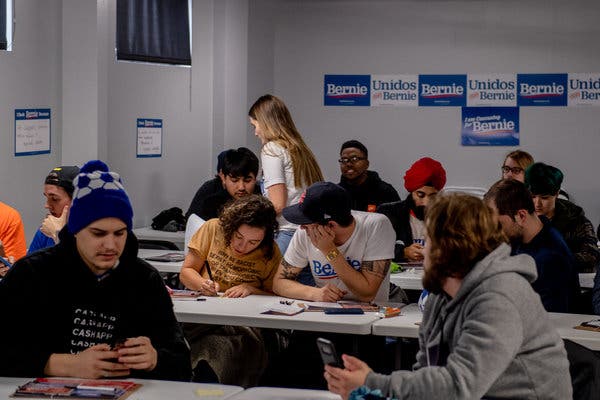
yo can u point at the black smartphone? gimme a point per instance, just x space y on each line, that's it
328 353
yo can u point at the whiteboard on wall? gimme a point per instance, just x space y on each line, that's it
32 131
149 137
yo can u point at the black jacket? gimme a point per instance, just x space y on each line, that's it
399 214
210 199
373 191
53 303
578 232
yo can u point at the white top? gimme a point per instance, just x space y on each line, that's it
417 228
148 233
162 266
407 325
150 389
247 311
276 393
373 239
413 279
277 168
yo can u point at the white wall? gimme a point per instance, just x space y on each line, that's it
31 77
313 38
203 109
245 48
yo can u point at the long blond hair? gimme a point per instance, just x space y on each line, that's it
277 125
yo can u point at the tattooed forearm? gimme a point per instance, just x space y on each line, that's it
379 267
288 271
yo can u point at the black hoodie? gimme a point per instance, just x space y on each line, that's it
53 303
373 191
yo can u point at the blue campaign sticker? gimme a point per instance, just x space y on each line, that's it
542 90
347 90
490 126
442 90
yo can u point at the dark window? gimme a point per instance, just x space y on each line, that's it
154 31
4 13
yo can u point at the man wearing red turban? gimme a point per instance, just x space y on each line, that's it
423 180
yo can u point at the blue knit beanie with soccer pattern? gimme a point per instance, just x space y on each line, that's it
99 193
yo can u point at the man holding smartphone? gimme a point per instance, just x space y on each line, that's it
485 333
348 251
88 307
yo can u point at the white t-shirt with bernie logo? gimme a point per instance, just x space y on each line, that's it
373 239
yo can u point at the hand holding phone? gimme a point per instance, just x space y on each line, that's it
328 353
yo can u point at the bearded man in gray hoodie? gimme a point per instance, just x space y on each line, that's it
485 332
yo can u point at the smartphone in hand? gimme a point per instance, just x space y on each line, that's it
328 353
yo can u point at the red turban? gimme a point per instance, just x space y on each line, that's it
425 172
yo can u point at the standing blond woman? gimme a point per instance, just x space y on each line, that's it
288 165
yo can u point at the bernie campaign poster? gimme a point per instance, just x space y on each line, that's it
347 90
442 90
395 90
584 89
492 90
542 90
490 126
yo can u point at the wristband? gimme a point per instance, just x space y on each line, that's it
332 254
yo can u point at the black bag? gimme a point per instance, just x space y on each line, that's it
170 220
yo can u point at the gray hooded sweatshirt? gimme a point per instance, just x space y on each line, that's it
492 340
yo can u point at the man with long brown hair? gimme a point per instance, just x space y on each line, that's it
485 332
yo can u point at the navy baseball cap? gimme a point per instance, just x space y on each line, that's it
320 202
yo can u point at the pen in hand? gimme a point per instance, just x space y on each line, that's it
208 270
210 276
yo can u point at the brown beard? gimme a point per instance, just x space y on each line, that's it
432 280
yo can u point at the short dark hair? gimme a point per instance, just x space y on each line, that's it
510 196
239 162
255 211
355 144
461 231
543 179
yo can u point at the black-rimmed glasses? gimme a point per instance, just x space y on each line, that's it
352 160
515 170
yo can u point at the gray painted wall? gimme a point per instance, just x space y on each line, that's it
313 38
245 48
31 77
203 109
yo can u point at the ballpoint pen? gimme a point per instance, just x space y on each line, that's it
208 270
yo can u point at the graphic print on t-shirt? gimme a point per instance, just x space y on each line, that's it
326 271
90 328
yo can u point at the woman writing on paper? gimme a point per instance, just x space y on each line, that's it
239 251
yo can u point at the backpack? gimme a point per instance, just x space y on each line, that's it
170 220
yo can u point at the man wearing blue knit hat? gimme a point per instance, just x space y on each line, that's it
88 307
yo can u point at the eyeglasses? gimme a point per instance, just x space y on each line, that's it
515 170
351 160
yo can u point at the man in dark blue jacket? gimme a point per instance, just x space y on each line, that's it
558 282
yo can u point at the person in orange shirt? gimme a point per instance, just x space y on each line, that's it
12 235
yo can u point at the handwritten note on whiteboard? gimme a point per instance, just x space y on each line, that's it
32 131
149 137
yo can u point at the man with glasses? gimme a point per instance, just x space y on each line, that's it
366 189
423 180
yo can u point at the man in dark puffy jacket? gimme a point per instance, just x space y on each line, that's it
544 181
